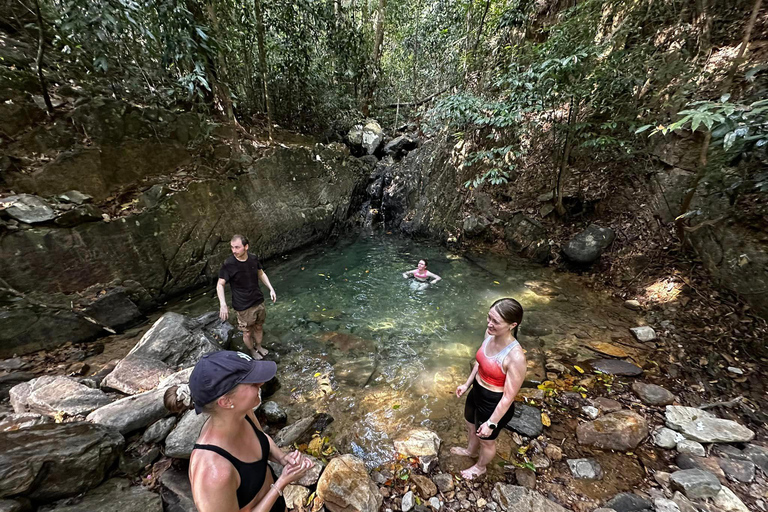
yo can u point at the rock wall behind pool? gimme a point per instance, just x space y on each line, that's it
55 277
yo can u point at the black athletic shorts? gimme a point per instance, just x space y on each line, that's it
481 403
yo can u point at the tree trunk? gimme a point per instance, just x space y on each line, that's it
375 59
39 59
263 61
221 91
563 170
688 199
743 48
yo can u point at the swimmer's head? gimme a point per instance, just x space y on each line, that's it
509 311
422 264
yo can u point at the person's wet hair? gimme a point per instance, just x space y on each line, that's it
510 311
242 239
426 263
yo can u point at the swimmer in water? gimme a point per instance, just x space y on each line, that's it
421 274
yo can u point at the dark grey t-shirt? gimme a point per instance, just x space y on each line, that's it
243 279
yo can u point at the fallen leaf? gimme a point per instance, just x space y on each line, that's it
578 369
545 420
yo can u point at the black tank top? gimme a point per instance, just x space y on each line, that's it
252 474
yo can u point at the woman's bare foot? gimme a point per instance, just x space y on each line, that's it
458 450
262 351
472 473
255 354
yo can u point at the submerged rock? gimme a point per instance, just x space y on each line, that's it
346 487
586 247
622 430
303 430
418 443
272 414
695 483
114 494
48 462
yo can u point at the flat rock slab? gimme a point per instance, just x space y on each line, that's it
137 374
675 416
27 208
112 495
345 486
52 395
587 469
695 483
738 470
691 448
716 430
628 502
181 440
621 430
526 420
727 501
514 498
418 443
651 394
303 430
133 412
616 367
53 461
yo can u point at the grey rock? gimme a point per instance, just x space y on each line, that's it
691 448
588 469
643 333
418 443
444 482
617 367
181 440
727 501
709 464
526 420
23 420
628 502
667 438
407 503
355 135
373 136
135 460
665 505
434 503
651 394
695 483
12 364
683 503
525 477
133 412
115 309
159 430
172 341
738 470
399 146
586 247
303 430
590 411
758 455
513 498
74 197
51 395
528 238
79 215
137 374
176 491
48 462
180 377
27 208
114 494
475 225
153 195
622 430
606 405
17 505
716 430
675 416
272 413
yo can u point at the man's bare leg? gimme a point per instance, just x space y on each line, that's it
473 442
248 340
258 335
487 452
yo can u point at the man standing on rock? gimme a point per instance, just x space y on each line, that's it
243 271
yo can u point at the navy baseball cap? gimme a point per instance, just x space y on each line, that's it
218 373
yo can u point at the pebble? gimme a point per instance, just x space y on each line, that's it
691 448
444 482
554 452
667 438
651 394
633 304
587 469
434 503
590 412
606 405
481 503
736 370
628 502
526 478
407 503
643 333
662 478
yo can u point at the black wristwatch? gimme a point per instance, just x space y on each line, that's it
491 425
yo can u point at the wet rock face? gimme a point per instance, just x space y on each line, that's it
27 208
586 247
74 457
346 487
622 430
302 430
114 494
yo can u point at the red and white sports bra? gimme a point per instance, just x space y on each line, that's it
490 367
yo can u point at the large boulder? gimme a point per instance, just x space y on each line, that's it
137 374
176 491
527 237
174 341
133 412
48 462
181 440
52 395
373 136
514 498
586 247
621 430
114 494
418 443
115 309
346 487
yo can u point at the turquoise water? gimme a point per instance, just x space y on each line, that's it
353 338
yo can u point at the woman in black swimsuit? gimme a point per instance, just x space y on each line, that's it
228 468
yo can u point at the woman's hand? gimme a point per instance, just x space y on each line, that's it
461 390
484 430
405 275
293 472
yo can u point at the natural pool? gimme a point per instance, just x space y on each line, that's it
355 340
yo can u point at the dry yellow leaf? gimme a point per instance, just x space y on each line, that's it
578 369
545 420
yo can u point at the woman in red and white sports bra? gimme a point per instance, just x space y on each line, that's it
422 274
496 378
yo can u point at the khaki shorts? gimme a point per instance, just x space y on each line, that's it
251 317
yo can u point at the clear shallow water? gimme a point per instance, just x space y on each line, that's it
354 339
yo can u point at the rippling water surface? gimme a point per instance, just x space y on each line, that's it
357 340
